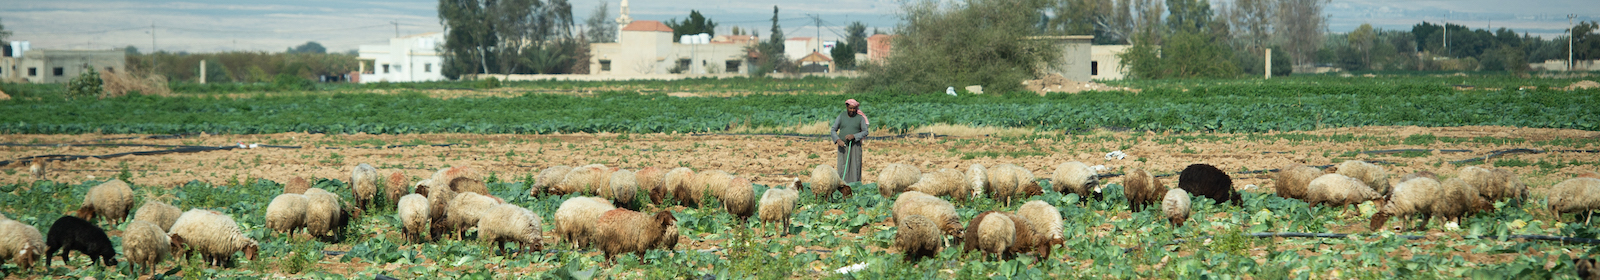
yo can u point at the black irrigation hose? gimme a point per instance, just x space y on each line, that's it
1561 239
1396 151
1519 151
180 149
901 136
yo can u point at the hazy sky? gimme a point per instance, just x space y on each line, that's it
221 25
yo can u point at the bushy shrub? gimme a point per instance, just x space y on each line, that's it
86 84
977 42
291 82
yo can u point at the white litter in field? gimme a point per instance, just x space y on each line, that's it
950 90
851 268
1115 155
1098 168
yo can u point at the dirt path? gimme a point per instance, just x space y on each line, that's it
772 160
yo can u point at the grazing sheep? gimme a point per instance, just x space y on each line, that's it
1588 269
464 184
705 185
414 218
20 243
996 233
624 231
548 178
111 201
777 204
297 185
1076 177
1494 184
147 245
669 239
1580 194
395 187
825 180
214 235
977 176
1409 198
624 188
1207 181
74 234
511 223
1338 190
587 179
1370 174
894 178
466 209
438 207
938 210
1009 180
1045 221
1176 206
677 180
363 184
1464 200
1142 189
287 212
652 182
576 218
739 199
159 213
451 173
945 182
1022 238
322 213
918 237
1291 180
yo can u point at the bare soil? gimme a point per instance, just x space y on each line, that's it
777 159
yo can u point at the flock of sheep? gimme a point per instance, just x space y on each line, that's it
454 201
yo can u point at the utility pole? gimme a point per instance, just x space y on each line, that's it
396 28
818 20
1447 34
1571 30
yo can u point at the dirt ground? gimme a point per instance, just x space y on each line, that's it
777 159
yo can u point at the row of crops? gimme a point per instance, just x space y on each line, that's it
1104 241
1214 108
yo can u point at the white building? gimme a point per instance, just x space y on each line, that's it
645 47
1104 62
800 47
413 58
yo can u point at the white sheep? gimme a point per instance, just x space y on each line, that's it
1338 190
979 179
548 178
777 204
20 243
938 210
214 235
414 218
894 178
510 223
323 212
825 180
466 209
1045 222
287 212
1176 206
111 200
944 182
576 217
159 213
587 179
675 181
1580 194
363 184
1370 174
147 245
624 187
1076 177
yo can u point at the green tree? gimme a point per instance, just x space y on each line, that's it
695 24
216 72
769 54
1361 45
131 50
857 36
601 28
4 34
975 42
308 47
844 56
1188 14
506 36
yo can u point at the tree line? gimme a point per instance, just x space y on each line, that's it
1429 46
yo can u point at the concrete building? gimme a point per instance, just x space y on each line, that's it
800 47
1104 63
1075 56
879 47
413 58
60 66
645 47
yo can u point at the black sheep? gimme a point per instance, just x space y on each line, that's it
75 234
1208 181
